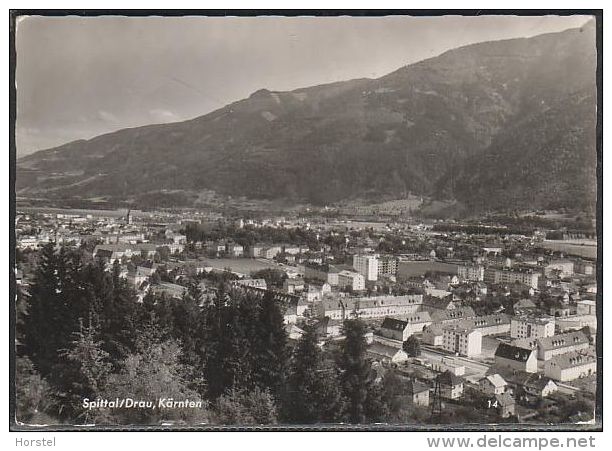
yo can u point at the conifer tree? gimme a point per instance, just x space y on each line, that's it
364 398
270 351
50 322
83 373
412 346
313 391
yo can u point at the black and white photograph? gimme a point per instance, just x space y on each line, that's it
331 221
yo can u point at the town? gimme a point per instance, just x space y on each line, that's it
486 323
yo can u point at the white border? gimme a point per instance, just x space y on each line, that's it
285 440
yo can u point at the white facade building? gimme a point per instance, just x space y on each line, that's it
367 266
462 341
568 367
532 327
351 279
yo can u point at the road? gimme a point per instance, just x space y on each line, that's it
474 370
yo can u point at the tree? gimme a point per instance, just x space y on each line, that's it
246 407
83 373
412 346
115 309
229 353
364 402
273 277
33 394
152 375
269 353
51 320
313 392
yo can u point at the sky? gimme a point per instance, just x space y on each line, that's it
81 77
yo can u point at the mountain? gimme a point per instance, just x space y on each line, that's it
493 125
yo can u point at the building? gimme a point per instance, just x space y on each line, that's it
291 311
271 252
292 249
584 267
431 303
561 267
498 323
395 329
131 238
383 352
466 342
473 273
367 266
550 347
417 322
567 367
170 290
215 248
322 273
387 265
234 250
448 364
257 250
586 307
577 322
114 252
302 307
492 384
253 283
418 393
452 315
451 386
293 286
437 292
506 276
293 332
504 404
531 388
514 358
369 307
316 292
531 326
524 307
433 335
352 280
407 269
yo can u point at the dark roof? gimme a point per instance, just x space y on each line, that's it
416 387
536 381
394 324
447 315
563 340
448 378
513 352
104 253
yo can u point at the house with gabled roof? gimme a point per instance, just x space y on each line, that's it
504 404
433 335
443 316
549 347
395 329
532 387
418 392
493 384
451 386
383 352
570 366
514 358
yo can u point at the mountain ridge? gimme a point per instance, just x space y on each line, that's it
401 133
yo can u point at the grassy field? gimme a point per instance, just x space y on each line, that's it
587 248
241 265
